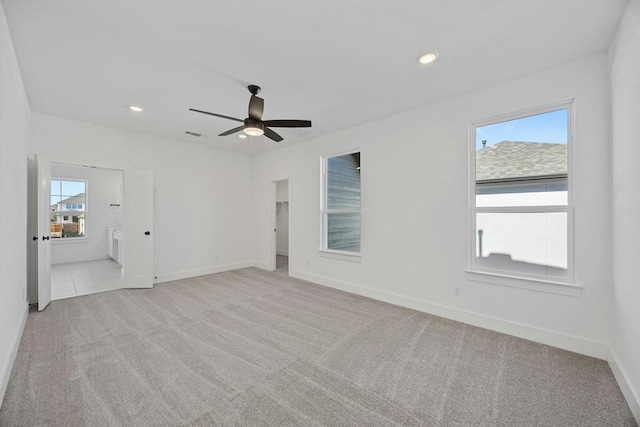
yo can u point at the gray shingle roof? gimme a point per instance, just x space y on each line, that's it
78 198
516 160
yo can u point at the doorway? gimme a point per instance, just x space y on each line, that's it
86 218
281 226
84 213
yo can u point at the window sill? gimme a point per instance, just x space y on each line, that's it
69 240
341 255
532 284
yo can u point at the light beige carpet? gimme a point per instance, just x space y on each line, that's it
255 348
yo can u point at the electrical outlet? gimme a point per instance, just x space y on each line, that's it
458 291
308 263
216 256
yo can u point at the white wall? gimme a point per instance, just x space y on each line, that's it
282 219
625 82
14 140
99 215
202 196
415 223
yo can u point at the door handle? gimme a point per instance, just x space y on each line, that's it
146 233
45 237
35 237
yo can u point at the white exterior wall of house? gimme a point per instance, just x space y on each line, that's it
14 142
415 210
625 82
529 238
202 196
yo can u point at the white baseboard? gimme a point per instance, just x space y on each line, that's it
555 339
13 352
628 390
185 274
282 252
261 265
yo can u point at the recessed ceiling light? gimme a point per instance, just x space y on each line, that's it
242 135
427 58
135 108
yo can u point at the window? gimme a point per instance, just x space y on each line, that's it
341 203
521 211
68 208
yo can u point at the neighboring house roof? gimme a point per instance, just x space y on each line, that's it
78 198
516 161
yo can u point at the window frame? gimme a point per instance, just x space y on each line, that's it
324 212
85 211
513 278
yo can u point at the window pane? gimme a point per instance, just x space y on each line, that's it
530 243
518 160
55 187
536 193
343 182
67 198
72 188
343 232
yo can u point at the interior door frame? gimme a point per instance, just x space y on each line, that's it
32 230
33 293
274 219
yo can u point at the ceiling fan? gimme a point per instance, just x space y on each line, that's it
254 125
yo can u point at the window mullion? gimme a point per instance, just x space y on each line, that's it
342 211
522 209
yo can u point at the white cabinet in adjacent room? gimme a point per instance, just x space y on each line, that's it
114 188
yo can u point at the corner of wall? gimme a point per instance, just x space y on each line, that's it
5 373
624 68
628 390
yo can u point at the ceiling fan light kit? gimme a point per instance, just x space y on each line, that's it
253 128
254 125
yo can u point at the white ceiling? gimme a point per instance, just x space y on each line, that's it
338 64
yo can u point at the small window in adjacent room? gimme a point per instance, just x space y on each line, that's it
68 208
521 210
341 203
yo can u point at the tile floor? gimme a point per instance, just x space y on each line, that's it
84 278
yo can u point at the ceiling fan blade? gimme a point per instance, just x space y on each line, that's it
230 131
288 123
216 115
256 107
272 135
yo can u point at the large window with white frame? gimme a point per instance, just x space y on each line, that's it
521 209
341 203
68 212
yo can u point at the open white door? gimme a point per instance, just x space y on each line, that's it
44 232
138 229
